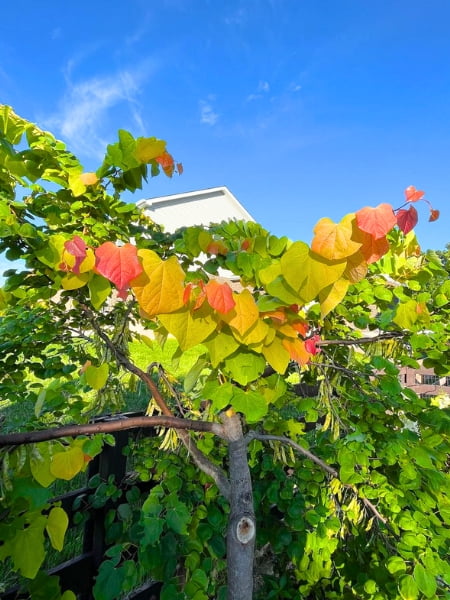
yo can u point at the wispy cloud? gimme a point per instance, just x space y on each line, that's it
238 17
207 114
263 88
82 119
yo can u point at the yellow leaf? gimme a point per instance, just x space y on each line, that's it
72 281
334 241
88 262
67 464
245 313
189 328
160 287
147 149
97 377
276 355
40 462
356 268
330 297
56 527
255 335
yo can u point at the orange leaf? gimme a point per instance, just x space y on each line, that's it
187 293
220 296
180 169
413 195
167 163
297 351
300 327
407 219
334 241
88 178
434 215
119 264
377 221
217 247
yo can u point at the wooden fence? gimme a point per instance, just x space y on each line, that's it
78 573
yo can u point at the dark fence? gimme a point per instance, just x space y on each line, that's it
78 573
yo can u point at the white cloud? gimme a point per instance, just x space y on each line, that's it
207 114
82 120
263 86
239 17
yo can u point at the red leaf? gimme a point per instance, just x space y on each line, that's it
119 264
220 296
413 195
434 214
311 345
376 221
167 163
217 247
77 248
245 245
407 219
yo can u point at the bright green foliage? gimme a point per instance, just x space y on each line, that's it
378 528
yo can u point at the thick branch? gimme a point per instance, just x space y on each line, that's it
253 435
119 424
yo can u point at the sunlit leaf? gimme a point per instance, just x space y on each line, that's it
330 297
189 328
413 195
147 149
277 355
434 215
27 547
167 163
244 314
377 221
159 289
297 350
334 241
119 264
220 296
88 178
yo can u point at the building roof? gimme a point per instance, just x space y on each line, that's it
200 207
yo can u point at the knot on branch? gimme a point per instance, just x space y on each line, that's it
245 530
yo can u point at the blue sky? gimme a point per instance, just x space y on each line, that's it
303 109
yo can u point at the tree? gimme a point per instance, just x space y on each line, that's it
351 485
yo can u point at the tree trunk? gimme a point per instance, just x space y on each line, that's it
241 525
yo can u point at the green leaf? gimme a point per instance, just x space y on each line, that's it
251 404
27 548
408 588
56 527
40 463
109 581
99 290
245 367
395 565
178 517
425 581
153 527
97 377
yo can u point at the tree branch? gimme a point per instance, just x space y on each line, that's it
364 340
253 435
200 459
115 424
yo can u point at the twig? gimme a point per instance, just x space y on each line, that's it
364 340
253 435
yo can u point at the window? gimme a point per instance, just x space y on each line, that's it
430 379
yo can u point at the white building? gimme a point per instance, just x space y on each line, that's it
201 207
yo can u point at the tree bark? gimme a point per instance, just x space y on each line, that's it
241 532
